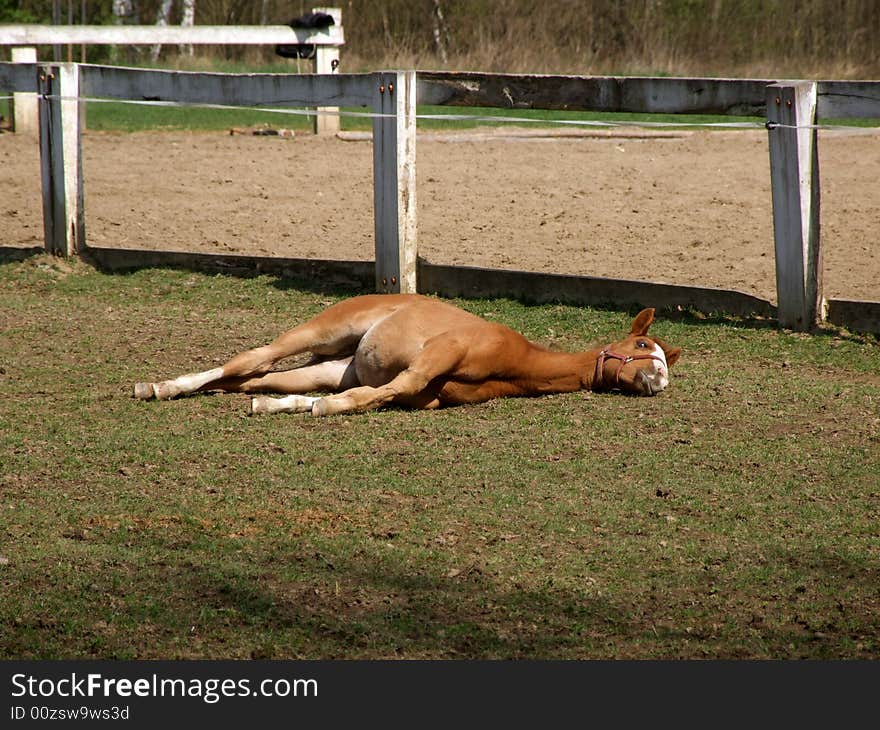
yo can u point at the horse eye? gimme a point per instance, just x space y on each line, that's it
641 343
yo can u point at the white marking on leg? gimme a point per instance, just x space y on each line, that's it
186 383
332 404
288 404
191 383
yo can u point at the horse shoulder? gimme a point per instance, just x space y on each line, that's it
488 350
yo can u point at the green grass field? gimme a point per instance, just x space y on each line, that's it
735 515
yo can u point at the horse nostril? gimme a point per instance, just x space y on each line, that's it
647 386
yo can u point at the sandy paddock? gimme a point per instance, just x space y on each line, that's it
690 209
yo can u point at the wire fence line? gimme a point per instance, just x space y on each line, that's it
487 118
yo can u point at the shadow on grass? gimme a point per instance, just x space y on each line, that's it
349 278
326 277
340 278
370 606
11 254
472 616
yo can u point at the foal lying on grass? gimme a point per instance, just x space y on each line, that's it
420 352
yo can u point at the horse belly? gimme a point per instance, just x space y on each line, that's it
393 343
381 356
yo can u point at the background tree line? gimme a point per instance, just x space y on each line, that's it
797 38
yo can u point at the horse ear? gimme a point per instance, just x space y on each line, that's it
672 355
642 322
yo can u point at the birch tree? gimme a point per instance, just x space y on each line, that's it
162 15
187 20
441 34
123 10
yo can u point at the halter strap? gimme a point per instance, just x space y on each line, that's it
609 354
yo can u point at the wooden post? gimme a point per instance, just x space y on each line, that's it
394 181
72 117
327 62
24 105
794 181
61 159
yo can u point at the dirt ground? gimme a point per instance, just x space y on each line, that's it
690 209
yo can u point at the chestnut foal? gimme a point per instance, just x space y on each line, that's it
420 352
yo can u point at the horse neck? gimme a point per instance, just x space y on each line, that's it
577 369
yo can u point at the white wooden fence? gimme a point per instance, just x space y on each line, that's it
792 110
24 38
389 95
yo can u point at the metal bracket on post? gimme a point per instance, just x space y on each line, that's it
51 159
794 181
394 181
61 158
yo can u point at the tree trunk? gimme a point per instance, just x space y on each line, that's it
188 19
121 10
162 15
441 34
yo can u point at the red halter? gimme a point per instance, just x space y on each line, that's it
624 359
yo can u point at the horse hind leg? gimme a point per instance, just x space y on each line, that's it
410 387
249 363
252 363
181 385
335 332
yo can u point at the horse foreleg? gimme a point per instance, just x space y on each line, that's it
263 404
409 387
331 375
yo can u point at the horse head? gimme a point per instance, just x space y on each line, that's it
638 364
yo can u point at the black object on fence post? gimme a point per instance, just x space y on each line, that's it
51 159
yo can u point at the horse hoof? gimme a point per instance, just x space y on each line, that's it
144 391
321 407
258 405
166 391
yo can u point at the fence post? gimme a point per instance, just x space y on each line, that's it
394 181
24 105
61 158
327 62
794 182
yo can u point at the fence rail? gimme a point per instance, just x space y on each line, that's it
736 97
25 37
791 109
638 95
295 90
45 35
